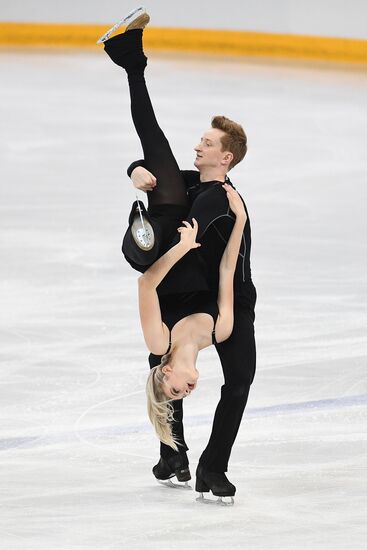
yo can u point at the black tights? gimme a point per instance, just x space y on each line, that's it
127 51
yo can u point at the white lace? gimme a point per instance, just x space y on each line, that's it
140 213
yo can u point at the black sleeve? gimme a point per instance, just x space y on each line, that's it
134 165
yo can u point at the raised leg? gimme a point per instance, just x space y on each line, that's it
126 50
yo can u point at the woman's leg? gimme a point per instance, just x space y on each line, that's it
127 51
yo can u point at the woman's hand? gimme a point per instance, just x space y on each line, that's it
143 179
235 202
188 234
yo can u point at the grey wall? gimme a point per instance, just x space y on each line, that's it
314 17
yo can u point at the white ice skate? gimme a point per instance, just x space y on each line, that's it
219 500
137 18
171 485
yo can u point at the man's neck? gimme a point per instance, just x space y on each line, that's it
211 175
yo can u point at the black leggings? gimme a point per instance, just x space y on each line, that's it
126 50
158 155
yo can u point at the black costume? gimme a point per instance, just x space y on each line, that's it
175 307
178 196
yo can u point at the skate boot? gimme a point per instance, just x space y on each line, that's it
140 243
136 19
176 465
215 482
126 50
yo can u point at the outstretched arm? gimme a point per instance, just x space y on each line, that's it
224 325
155 332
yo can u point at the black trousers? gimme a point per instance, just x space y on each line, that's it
238 353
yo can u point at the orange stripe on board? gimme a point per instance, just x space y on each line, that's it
194 40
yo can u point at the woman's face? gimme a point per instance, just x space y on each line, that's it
179 380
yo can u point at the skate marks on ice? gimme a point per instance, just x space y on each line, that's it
67 489
92 435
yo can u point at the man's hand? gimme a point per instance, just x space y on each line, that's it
142 179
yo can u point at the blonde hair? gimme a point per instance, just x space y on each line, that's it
234 140
160 409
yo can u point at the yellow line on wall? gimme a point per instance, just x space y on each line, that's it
195 40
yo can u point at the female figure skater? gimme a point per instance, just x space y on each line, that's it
179 314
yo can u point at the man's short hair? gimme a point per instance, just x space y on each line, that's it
234 140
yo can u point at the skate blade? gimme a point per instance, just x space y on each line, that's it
218 502
168 483
125 21
143 236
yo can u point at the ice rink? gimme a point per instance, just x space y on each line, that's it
76 445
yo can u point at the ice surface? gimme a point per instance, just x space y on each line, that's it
76 446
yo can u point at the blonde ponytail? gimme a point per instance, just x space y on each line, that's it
160 410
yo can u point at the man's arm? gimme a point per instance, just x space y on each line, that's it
141 177
209 205
146 181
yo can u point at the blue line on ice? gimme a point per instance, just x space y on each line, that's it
107 432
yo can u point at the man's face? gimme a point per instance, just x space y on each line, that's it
209 151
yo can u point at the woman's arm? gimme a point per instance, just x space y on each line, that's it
227 267
157 271
155 332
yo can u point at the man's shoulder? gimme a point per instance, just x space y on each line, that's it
191 174
191 179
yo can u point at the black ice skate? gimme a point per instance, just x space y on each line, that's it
140 244
176 465
215 482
